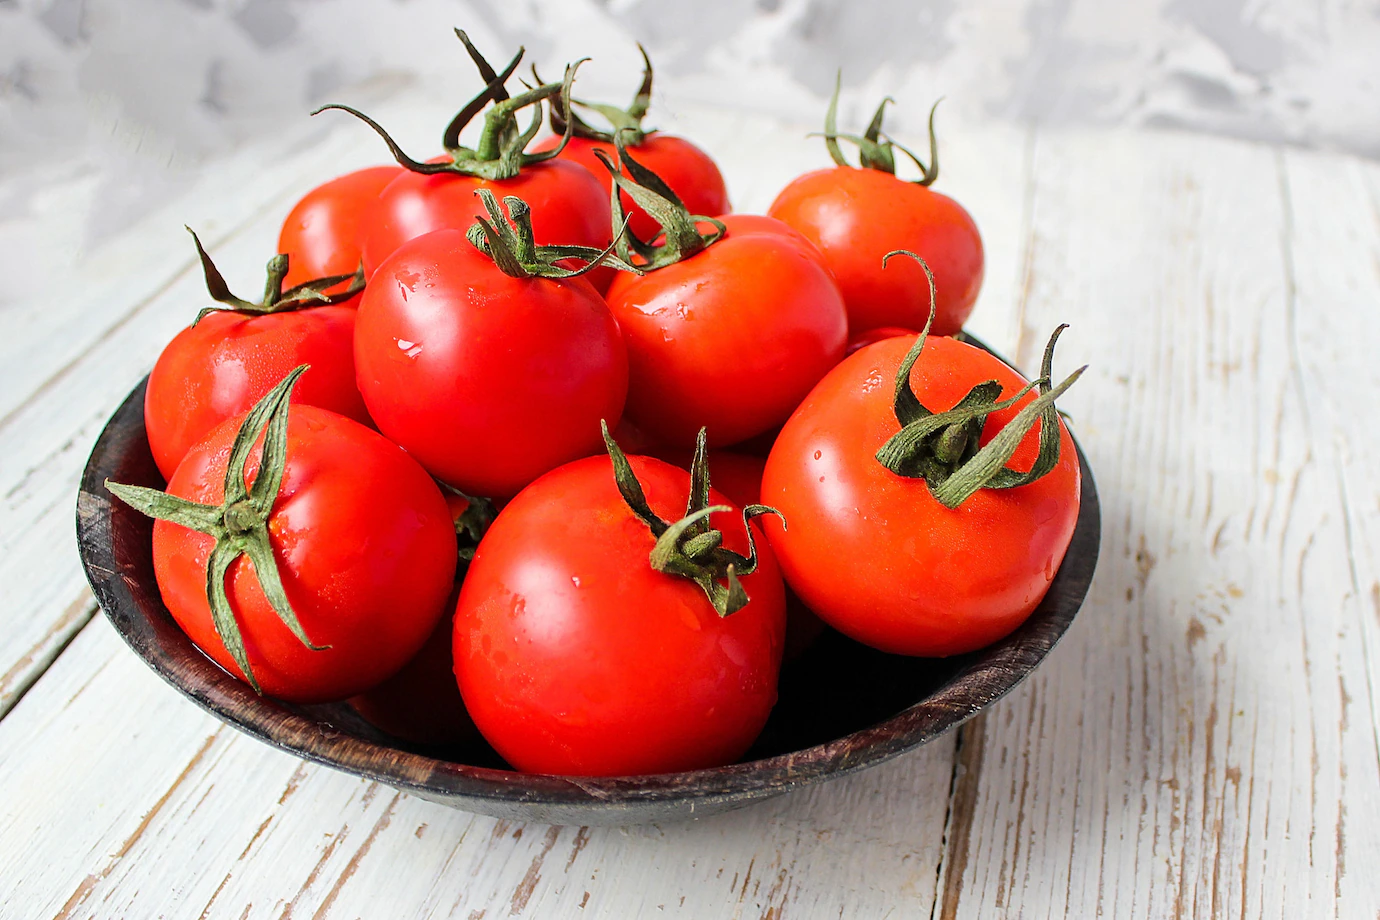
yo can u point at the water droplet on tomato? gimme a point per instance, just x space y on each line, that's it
411 349
818 454
575 580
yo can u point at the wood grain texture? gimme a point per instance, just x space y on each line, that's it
1203 743
1193 748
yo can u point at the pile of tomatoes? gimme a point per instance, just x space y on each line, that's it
538 438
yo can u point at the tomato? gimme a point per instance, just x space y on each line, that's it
731 338
688 170
569 206
321 232
739 476
874 553
856 216
488 380
574 656
228 360
421 702
867 337
358 533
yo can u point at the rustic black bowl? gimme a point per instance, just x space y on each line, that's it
842 706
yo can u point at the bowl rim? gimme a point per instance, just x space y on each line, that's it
995 671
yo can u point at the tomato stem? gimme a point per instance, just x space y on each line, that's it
943 448
239 524
691 548
501 150
681 236
875 148
626 123
510 242
275 300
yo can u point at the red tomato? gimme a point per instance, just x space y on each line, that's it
857 216
226 363
874 553
488 380
688 170
739 476
364 546
863 339
731 338
569 207
321 233
575 657
421 703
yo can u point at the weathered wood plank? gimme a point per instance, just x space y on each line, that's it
146 780
1194 745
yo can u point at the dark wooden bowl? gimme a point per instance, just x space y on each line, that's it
842 706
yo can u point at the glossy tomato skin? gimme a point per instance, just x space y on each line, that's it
365 547
731 338
229 361
873 553
688 170
321 233
569 207
857 216
489 381
575 657
862 339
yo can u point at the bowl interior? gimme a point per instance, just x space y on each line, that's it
842 706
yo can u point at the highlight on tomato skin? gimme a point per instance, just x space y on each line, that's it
874 554
575 657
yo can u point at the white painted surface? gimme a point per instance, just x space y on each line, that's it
1202 744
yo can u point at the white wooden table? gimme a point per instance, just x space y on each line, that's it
1202 744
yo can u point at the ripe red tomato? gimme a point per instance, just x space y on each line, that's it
321 233
575 657
856 216
874 553
688 170
488 380
364 548
227 362
732 338
569 207
863 339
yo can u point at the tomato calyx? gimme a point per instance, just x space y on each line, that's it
239 524
509 241
876 150
626 123
681 237
691 548
943 448
470 525
275 300
501 150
